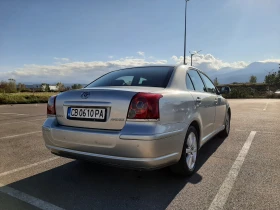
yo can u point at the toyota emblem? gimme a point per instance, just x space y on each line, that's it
85 95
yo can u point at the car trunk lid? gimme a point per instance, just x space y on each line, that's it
114 101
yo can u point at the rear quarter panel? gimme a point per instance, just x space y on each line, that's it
177 107
177 111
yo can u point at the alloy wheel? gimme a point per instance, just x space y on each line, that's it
191 150
227 124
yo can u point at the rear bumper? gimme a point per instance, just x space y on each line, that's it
137 163
140 151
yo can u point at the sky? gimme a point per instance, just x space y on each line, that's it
67 38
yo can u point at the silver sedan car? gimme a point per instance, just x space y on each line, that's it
142 117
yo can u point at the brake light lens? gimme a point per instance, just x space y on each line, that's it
51 106
144 106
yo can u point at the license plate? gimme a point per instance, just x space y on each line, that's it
96 114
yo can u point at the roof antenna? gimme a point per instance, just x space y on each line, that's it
185 31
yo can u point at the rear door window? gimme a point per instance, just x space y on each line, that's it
209 85
197 82
189 82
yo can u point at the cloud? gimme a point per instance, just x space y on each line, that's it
270 60
141 53
62 59
110 56
85 71
129 57
209 61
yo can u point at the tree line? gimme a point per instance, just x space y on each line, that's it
11 86
272 78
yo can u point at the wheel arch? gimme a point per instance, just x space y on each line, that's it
229 111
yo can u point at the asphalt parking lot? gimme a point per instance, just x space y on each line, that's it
239 172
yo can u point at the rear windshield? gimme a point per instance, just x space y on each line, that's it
156 76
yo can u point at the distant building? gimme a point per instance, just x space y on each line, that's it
53 88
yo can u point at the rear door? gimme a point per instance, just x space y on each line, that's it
205 102
219 102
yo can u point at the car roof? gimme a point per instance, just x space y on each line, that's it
146 66
157 65
190 67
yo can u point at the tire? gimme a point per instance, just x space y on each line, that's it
224 133
187 163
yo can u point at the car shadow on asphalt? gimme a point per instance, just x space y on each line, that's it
82 185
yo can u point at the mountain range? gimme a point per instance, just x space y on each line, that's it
225 75
229 75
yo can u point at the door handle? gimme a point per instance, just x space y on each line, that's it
198 100
216 100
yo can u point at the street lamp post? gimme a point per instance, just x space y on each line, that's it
194 53
186 4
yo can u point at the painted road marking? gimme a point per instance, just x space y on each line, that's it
265 106
28 166
22 105
22 121
223 193
4 113
8 113
28 198
23 134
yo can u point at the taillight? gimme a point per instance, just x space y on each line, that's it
51 106
144 106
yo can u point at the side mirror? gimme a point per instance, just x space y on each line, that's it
225 90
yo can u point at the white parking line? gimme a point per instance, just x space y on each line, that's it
223 193
28 198
5 113
22 121
8 113
265 106
28 166
23 134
